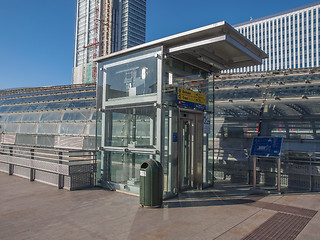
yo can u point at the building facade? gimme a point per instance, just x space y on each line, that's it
133 23
291 38
102 27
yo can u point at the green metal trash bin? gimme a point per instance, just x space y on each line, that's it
151 178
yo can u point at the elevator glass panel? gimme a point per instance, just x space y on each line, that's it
187 154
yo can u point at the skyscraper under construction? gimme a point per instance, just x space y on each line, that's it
103 27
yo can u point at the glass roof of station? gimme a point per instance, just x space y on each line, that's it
294 93
12 93
48 98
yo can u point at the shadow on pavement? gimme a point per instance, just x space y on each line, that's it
206 203
221 194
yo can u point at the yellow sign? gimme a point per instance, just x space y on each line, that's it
191 96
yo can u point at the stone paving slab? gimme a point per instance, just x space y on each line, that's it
33 210
311 231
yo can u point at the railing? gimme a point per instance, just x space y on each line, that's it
70 169
298 169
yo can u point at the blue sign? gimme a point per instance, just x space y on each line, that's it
174 137
266 146
191 105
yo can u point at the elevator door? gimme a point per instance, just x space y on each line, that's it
190 150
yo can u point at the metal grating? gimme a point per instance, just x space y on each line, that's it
267 178
279 226
46 177
21 171
40 165
9 138
316 183
4 167
285 209
85 168
299 181
287 223
19 161
66 182
79 181
75 168
68 142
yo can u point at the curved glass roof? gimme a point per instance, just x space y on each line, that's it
269 94
24 92
48 112
44 99
88 103
51 97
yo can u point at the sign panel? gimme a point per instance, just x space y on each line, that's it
266 146
191 99
174 137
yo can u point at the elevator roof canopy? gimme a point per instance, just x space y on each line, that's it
211 48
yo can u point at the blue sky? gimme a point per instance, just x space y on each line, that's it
36 36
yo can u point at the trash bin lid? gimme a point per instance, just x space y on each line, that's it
151 164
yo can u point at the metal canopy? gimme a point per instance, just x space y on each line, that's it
215 54
212 48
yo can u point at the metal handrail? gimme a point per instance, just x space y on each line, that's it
61 156
64 163
283 153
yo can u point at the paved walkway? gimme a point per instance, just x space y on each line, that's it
32 210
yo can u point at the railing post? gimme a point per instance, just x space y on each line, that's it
310 172
248 166
93 157
60 176
11 166
254 172
32 171
279 174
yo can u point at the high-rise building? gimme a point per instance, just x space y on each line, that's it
290 38
103 27
133 23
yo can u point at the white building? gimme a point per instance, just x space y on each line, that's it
290 38
102 27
